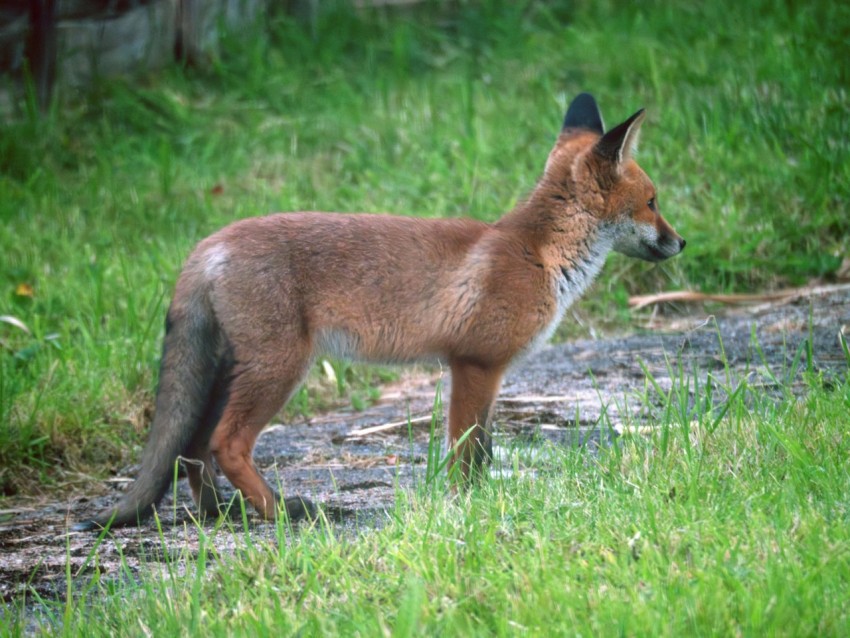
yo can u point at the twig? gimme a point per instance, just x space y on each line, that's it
387 426
535 399
640 301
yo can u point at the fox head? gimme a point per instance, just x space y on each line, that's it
599 172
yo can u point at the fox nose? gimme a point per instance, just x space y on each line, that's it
682 244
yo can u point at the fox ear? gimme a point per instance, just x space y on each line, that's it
618 143
584 113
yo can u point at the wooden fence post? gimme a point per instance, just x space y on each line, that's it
41 49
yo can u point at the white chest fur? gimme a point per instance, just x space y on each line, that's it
569 283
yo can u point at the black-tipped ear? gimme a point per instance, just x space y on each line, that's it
584 113
617 144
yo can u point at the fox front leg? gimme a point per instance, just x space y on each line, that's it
474 390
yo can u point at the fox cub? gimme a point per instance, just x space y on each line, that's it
260 300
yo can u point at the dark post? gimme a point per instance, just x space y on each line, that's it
41 48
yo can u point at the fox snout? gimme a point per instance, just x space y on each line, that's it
651 241
668 242
667 245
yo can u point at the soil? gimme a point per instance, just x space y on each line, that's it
582 393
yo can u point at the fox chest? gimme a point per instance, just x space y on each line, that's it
566 283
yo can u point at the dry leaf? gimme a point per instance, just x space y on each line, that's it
24 290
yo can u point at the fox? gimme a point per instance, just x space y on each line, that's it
258 302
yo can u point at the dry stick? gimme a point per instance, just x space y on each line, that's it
535 399
640 301
421 419
387 426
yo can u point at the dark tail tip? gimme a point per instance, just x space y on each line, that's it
86 526
113 518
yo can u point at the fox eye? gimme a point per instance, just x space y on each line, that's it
651 204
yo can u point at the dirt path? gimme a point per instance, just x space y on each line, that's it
557 396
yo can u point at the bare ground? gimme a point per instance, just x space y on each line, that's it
558 396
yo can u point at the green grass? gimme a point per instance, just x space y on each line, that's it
450 110
729 520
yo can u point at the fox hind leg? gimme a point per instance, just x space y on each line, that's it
253 400
204 484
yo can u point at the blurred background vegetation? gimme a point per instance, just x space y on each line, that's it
439 108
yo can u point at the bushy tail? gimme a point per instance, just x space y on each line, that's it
190 356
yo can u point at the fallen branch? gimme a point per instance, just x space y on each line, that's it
535 399
641 301
387 426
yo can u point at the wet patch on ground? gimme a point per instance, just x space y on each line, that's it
353 464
